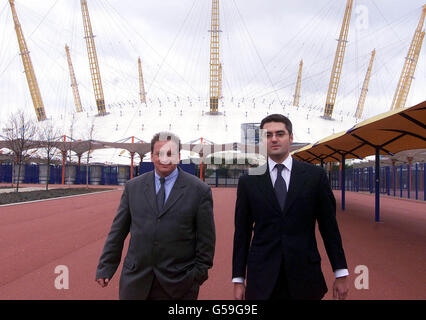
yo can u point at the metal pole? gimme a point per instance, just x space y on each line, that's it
424 181
377 174
388 180
358 179
132 155
343 182
201 163
370 178
394 177
409 177
64 155
417 182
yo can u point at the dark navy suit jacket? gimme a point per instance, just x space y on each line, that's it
265 236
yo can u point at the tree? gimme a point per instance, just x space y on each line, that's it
49 136
68 149
91 133
19 135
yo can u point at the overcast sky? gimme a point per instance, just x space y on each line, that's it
262 43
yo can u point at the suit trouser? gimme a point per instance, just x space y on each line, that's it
158 293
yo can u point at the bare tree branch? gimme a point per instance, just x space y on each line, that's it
19 136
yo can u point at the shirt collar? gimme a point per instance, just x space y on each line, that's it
288 163
169 177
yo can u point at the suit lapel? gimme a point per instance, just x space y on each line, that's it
297 181
176 193
265 185
149 191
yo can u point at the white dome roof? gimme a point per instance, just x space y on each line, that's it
189 119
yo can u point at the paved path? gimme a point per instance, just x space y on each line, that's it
25 189
6 188
35 238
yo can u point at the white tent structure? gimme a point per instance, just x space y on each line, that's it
189 119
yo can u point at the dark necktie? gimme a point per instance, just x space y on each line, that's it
280 186
161 195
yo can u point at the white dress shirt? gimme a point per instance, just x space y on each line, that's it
286 174
168 183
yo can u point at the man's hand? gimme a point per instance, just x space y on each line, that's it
239 291
103 282
340 288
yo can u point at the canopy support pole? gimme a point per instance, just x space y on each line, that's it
377 183
342 184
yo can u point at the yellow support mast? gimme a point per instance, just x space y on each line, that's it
220 81
410 64
214 59
298 84
364 90
28 66
338 62
74 86
93 60
142 92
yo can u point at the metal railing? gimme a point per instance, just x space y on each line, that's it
400 181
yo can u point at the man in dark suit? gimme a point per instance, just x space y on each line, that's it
275 217
169 214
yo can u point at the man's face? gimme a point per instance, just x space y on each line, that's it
165 157
278 140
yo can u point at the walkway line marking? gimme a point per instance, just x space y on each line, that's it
57 198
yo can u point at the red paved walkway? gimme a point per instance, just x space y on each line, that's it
35 238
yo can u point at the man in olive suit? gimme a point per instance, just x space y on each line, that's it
169 215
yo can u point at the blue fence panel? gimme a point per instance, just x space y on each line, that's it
55 174
31 173
6 173
52 174
388 180
80 177
109 175
146 167
223 177
113 175
188 167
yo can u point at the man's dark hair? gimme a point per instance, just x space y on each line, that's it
278 118
164 136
